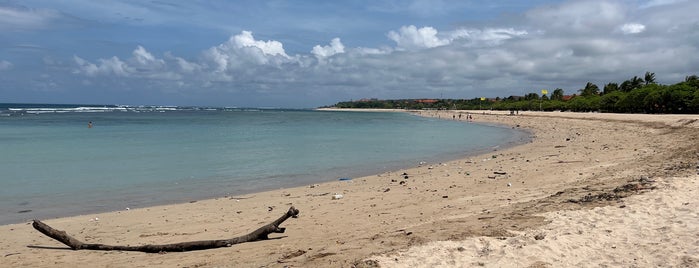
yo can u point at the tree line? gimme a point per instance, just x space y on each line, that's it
635 95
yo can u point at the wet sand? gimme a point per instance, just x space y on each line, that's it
565 196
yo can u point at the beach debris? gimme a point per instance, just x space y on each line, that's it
127 208
337 197
261 233
344 179
445 196
387 189
500 173
540 236
509 184
366 264
291 255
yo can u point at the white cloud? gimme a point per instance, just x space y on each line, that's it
578 17
25 19
411 38
488 36
5 65
271 47
656 3
633 28
242 51
564 45
109 66
145 59
335 47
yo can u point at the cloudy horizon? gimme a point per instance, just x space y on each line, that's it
293 55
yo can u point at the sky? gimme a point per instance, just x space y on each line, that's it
305 54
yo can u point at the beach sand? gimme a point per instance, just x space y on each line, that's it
589 190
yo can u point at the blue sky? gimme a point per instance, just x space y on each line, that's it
302 54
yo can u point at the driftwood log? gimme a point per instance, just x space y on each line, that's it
259 234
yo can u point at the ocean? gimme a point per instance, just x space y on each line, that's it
53 165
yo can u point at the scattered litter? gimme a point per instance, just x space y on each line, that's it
509 184
387 189
337 197
500 172
128 208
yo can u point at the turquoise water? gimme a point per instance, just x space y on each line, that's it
53 165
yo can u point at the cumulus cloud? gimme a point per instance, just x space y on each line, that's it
242 50
109 66
145 59
141 64
563 45
411 38
271 47
5 65
633 28
335 47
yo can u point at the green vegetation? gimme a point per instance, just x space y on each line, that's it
636 95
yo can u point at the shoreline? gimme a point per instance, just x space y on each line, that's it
490 195
136 200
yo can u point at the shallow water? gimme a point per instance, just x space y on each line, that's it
53 165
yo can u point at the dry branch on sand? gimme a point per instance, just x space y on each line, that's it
259 234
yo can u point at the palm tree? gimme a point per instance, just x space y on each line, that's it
589 90
650 78
610 87
557 94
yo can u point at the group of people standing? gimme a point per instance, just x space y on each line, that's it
469 117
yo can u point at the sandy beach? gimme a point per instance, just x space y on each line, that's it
590 190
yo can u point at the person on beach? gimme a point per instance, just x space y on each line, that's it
89 124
